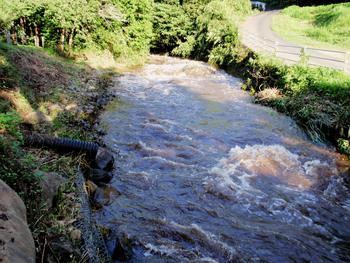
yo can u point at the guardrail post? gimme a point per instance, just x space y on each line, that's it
303 57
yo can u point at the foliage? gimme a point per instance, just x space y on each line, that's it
344 146
206 30
328 23
16 166
9 122
171 26
284 3
318 98
123 27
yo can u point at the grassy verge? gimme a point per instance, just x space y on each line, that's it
317 98
325 26
47 94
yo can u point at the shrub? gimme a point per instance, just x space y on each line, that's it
171 27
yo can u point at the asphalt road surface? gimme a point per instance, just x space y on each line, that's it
257 34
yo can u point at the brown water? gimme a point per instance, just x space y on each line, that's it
205 175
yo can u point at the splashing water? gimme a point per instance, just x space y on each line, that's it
204 175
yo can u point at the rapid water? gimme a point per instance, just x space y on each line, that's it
205 175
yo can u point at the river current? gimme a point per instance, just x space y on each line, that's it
205 175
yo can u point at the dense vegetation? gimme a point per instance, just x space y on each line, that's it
318 98
121 26
284 3
328 24
198 29
202 31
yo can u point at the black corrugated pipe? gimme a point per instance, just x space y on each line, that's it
100 173
63 144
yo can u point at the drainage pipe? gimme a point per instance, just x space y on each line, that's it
63 144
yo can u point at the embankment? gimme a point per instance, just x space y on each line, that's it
51 95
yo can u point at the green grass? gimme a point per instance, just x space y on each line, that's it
325 26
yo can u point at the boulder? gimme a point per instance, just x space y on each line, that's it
16 241
104 159
50 184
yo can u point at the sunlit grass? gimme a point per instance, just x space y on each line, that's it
325 26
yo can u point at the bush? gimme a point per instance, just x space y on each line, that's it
318 98
171 27
16 166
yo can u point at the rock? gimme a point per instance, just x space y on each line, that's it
104 159
90 187
123 249
103 195
50 184
64 250
104 163
75 234
35 117
16 241
100 177
71 106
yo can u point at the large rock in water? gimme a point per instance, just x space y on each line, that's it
16 241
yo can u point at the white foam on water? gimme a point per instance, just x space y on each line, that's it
235 177
156 126
169 163
243 166
162 250
205 260
211 240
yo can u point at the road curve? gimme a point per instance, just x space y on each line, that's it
256 33
260 25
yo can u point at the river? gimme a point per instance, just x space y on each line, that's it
205 175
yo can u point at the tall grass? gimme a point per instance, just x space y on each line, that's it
329 23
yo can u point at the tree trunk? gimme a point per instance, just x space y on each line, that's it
14 36
23 36
36 36
71 39
60 45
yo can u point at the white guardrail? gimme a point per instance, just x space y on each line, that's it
292 54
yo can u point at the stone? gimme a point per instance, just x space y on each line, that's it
104 159
64 250
50 184
101 177
75 234
90 187
35 117
16 241
103 195
123 249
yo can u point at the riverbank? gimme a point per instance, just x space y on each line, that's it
323 26
47 94
317 98
198 159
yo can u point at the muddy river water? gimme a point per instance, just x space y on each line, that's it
205 175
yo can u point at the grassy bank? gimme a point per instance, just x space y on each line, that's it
50 94
317 98
47 94
325 26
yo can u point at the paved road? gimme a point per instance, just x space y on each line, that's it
257 34
260 25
